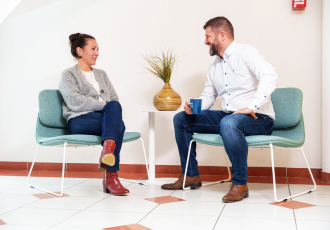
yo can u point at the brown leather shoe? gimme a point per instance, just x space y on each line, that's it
111 184
236 193
192 182
107 154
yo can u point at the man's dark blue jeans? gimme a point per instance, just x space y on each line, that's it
107 123
232 127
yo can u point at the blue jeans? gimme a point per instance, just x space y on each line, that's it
232 127
107 123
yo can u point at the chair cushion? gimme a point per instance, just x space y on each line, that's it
291 138
50 109
257 140
287 104
82 139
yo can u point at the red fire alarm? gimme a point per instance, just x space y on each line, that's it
298 4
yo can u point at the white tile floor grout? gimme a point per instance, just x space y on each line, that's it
87 207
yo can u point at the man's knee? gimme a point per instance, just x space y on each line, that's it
179 118
229 123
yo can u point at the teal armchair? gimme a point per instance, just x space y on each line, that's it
52 130
289 132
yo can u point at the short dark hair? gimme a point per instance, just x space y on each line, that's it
78 40
218 23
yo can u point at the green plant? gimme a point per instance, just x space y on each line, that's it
162 66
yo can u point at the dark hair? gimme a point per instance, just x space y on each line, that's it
78 40
220 23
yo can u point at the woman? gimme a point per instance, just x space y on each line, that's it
91 107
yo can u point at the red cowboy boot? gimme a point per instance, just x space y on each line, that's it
111 184
107 154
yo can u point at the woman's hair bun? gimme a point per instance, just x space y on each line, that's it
74 37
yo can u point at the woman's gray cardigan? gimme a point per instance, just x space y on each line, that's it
80 97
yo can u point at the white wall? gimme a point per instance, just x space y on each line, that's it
34 52
7 7
325 86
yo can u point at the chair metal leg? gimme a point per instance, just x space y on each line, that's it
221 181
63 171
217 182
145 158
185 172
274 181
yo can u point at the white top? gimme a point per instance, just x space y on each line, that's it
243 78
89 75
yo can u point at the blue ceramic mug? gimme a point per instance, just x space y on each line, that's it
195 105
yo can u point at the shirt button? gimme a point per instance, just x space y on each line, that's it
224 61
229 94
226 85
225 73
256 106
227 104
102 91
265 96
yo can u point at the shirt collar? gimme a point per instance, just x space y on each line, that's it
228 51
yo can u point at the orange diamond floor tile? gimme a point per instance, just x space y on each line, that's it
292 204
48 195
164 199
128 227
2 223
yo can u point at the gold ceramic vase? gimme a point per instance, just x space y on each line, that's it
167 99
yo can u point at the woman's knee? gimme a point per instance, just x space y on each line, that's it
113 105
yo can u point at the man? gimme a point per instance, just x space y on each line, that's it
245 81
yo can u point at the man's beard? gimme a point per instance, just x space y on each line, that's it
213 51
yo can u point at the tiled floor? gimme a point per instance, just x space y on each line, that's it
86 207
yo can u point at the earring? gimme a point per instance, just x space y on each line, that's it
80 56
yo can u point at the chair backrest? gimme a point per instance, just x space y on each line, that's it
50 109
287 104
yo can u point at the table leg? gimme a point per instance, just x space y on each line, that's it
152 146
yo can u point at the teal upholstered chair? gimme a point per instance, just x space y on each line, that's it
289 131
52 130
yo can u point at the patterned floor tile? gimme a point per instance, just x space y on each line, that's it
129 227
292 204
48 195
164 199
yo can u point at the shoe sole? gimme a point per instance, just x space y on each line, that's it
105 190
193 186
232 201
109 160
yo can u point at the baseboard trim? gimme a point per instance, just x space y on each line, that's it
168 169
325 177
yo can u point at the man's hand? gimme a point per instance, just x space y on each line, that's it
187 108
247 111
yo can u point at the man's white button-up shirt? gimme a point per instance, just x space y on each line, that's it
243 78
